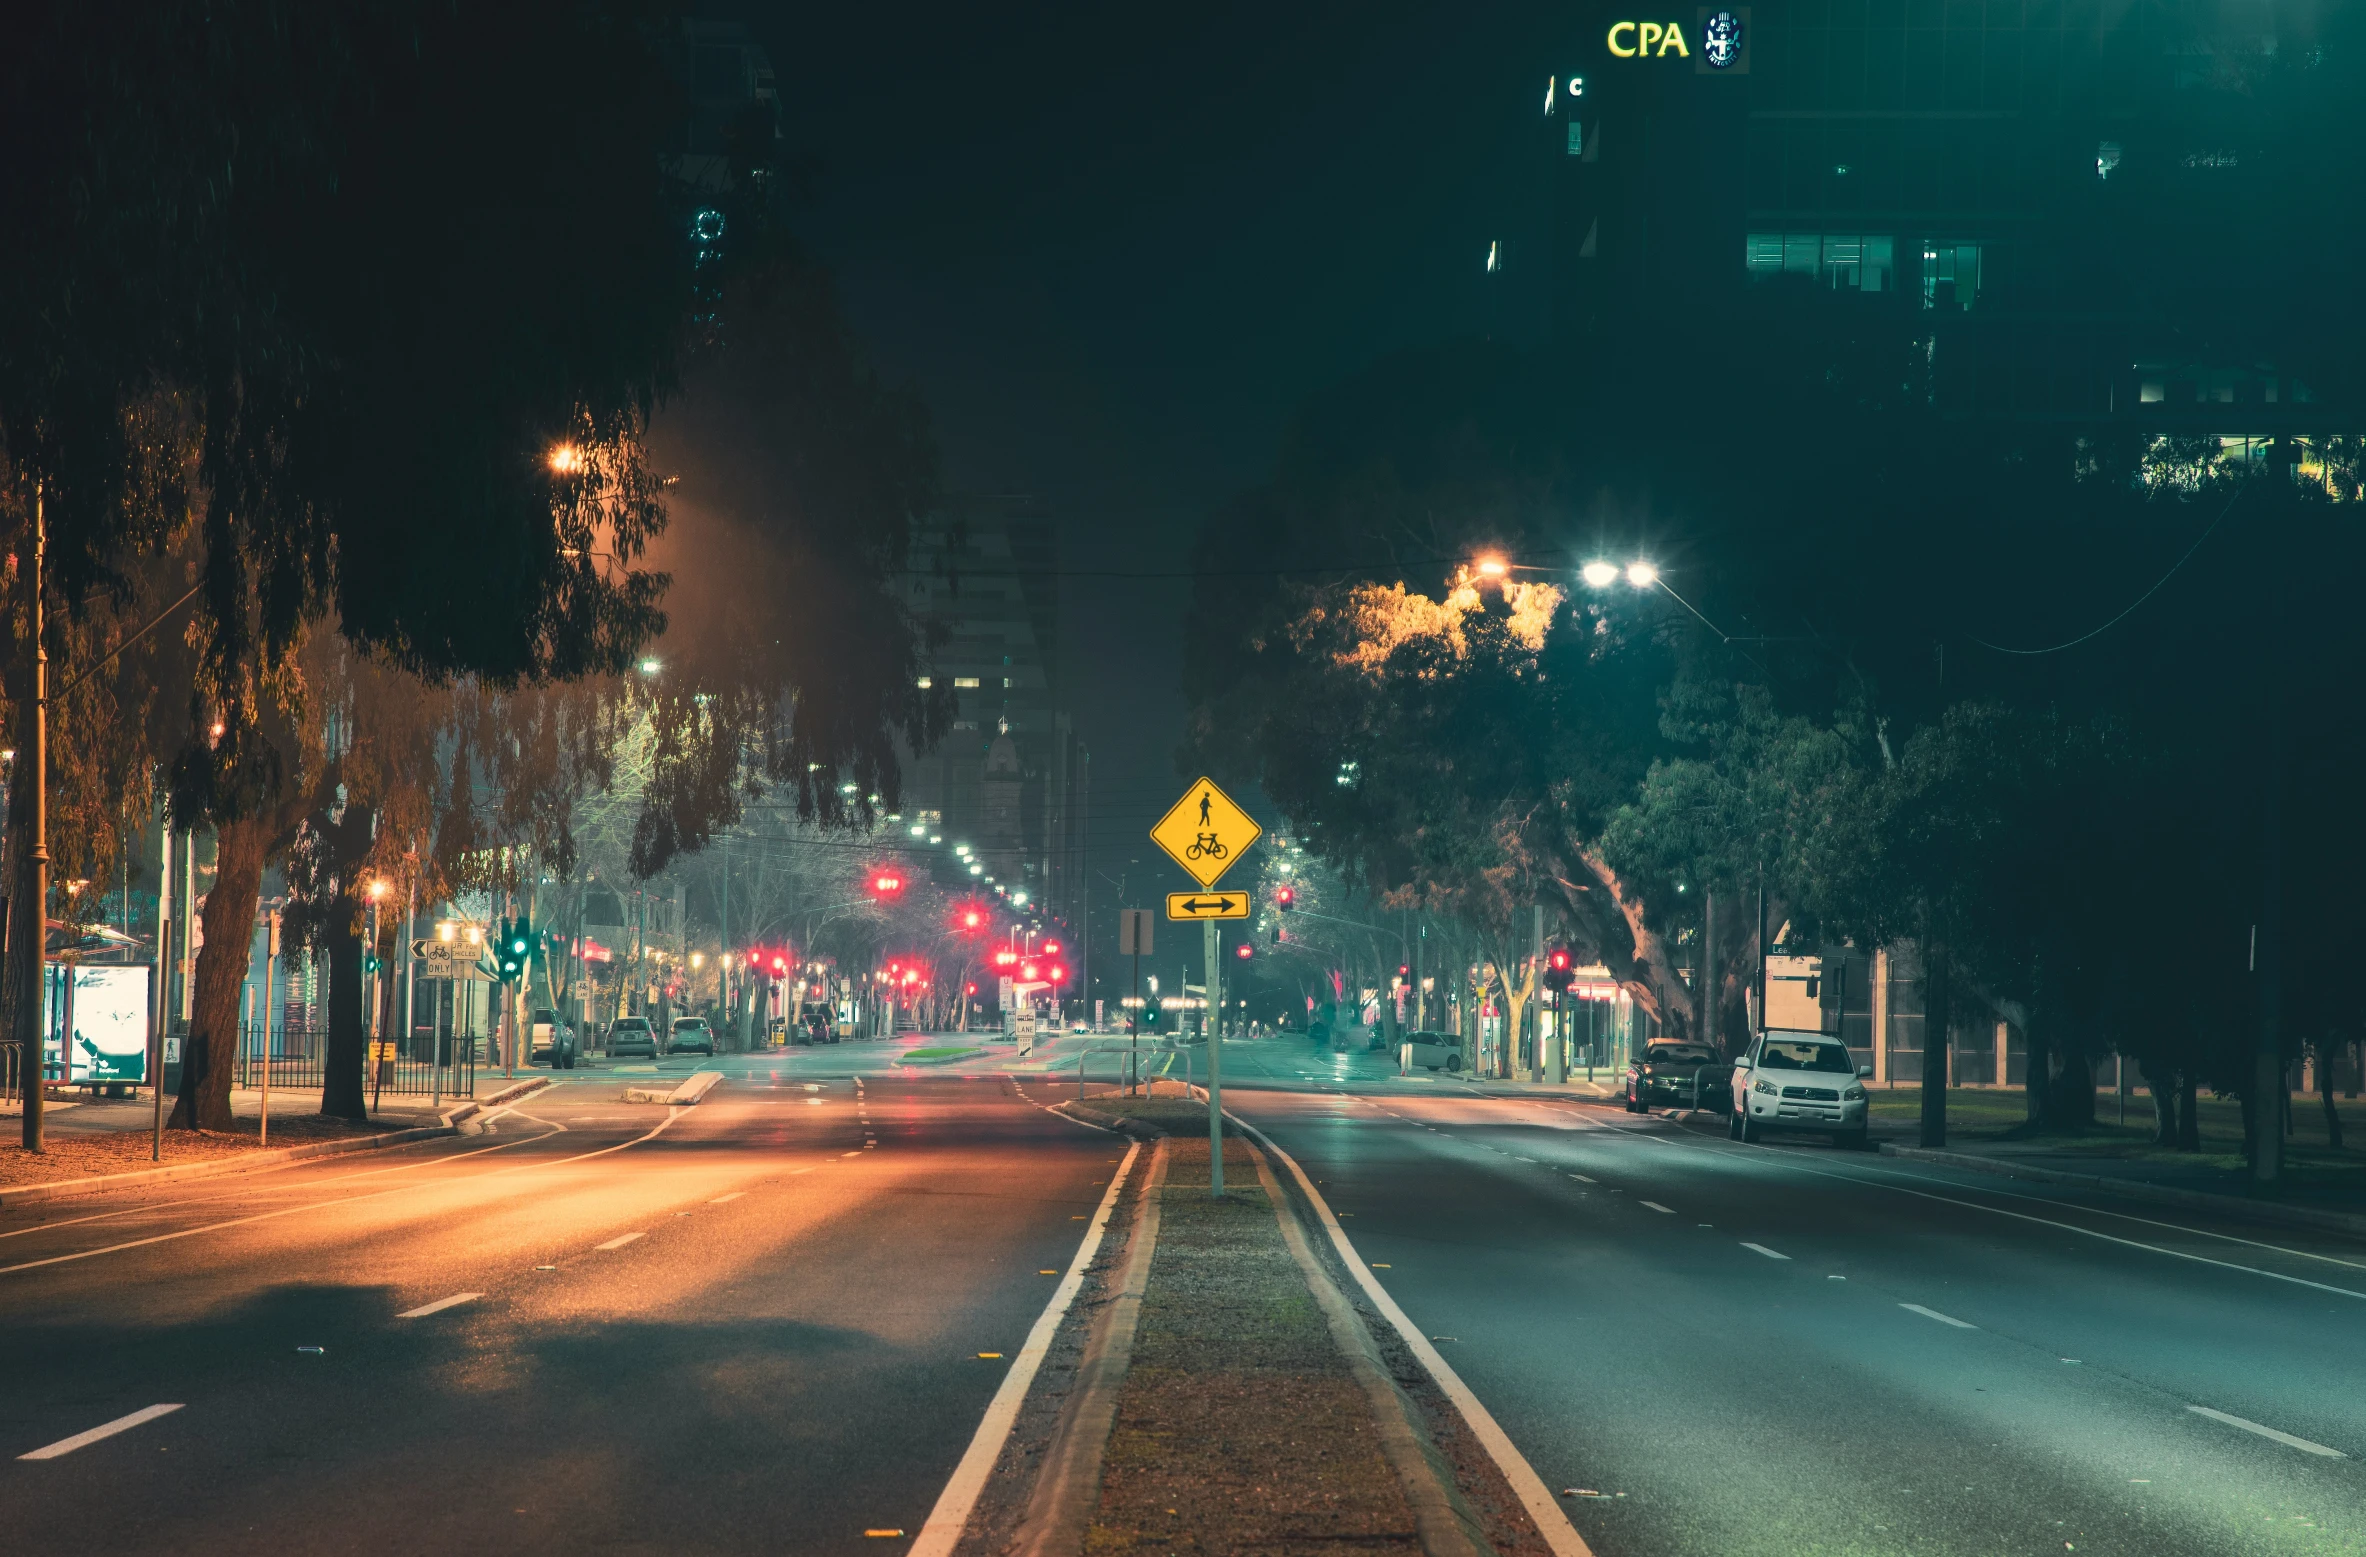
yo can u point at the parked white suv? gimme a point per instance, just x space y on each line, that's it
1799 1081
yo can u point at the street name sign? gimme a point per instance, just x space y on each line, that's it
1207 905
1206 833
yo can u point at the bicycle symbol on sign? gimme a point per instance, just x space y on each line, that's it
1205 847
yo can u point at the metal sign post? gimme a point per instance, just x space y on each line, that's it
1133 940
1206 833
270 977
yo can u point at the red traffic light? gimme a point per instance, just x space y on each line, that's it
1004 959
1243 951
780 964
1052 947
969 989
1560 958
887 883
972 919
1285 897
1404 970
1059 974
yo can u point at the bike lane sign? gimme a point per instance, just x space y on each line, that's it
1206 832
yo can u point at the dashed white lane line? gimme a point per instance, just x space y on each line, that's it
1581 1178
1932 1313
1656 1206
2247 1425
617 1243
726 1199
439 1305
1772 1254
120 1424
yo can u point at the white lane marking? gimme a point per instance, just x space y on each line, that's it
1544 1510
249 1191
2068 1227
2248 1426
1656 1206
945 1521
439 1305
618 1242
1772 1254
726 1199
110 1429
1932 1313
322 1205
1581 1178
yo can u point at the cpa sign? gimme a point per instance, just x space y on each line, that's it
1647 40
1723 35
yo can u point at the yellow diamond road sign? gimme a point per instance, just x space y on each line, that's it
1205 832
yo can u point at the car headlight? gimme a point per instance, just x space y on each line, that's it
1766 1087
1854 1095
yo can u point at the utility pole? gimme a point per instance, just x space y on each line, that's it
1536 1069
32 902
156 1013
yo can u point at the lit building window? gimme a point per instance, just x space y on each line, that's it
1950 274
927 681
1845 262
965 681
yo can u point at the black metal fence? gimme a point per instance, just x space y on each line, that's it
425 1065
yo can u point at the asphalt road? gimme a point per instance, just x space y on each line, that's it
752 1326
1787 1349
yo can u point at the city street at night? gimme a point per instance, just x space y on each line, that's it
985 781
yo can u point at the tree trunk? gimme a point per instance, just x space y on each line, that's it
210 1052
2074 1092
344 1089
2037 1069
2163 1087
2189 1123
1935 1005
2325 1063
344 1092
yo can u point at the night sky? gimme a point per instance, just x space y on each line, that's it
1116 248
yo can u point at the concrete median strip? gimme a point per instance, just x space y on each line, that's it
689 1090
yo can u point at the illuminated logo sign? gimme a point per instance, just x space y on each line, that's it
1647 40
1721 40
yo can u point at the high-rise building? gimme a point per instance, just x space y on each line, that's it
1011 779
2082 211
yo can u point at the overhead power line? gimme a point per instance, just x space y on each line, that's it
2223 511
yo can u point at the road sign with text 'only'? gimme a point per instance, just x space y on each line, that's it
1206 833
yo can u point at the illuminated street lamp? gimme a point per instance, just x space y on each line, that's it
1601 575
1642 574
566 460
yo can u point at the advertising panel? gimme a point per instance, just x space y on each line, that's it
107 1011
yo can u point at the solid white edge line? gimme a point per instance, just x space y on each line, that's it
1543 1508
2248 1426
942 1531
1772 1254
1932 1313
617 1242
439 1305
120 1424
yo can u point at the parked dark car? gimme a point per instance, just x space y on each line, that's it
1670 1075
631 1037
816 1023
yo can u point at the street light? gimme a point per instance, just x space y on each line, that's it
1492 567
566 460
1601 575
1642 574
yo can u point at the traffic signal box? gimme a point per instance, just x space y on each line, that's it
1559 973
513 951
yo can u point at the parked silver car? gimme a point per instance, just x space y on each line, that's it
552 1038
690 1032
631 1037
1430 1051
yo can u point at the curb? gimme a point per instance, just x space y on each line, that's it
2234 1206
1445 1524
1068 1487
100 1183
688 1090
1116 1124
